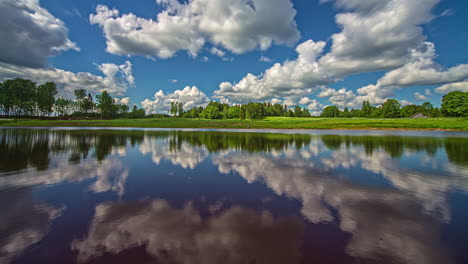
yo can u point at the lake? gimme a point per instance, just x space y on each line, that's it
202 196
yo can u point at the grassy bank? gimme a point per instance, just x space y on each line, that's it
270 122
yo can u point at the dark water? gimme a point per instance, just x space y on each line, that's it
133 196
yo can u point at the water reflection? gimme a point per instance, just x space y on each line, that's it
236 235
390 194
23 222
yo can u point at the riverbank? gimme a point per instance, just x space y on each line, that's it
437 124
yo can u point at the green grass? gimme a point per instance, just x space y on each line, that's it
269 122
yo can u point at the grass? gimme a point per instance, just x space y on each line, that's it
269 122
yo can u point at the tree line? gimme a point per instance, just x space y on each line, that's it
454 104
22 97
251 110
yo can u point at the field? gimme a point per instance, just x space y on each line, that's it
269 122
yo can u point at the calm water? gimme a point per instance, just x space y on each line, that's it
136 196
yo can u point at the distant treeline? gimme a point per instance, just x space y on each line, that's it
24 98
216 110
454 104
21 97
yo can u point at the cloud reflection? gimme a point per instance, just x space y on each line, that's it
171 235
23 222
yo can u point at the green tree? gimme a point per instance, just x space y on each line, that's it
391 109
80 96
21 96
331 111
367 109
233 112
346 113
211 112
455 104
426 108
105 105
409 110
180 109
45 97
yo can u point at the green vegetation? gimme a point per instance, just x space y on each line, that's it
269 122
23 98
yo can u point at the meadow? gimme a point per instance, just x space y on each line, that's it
268 122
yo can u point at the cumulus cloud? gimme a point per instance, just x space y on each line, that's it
190 97
236 235
420 70
367 42
116 80
458 86
30 34
238 26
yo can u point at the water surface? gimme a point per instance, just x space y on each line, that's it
167 196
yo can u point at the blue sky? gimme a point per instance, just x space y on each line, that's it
350 50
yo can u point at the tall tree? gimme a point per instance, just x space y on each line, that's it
45 96
105 105
391 109
455 104
80 95
366 109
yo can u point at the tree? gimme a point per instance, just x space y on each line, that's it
105 105
173 110
20 96
455 104
346 113
409 110
180 109
211 112
331 111
45 97
426 108
367 109
80 95
391 109
62 106
233 112
88 104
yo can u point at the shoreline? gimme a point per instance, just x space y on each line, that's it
241 128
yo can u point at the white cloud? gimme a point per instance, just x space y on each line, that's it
458 86
420 70
190 97
30 34
124 101
116 80
372 39
238 26
265 59
420 97
217 52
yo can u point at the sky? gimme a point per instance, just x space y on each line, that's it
311 53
